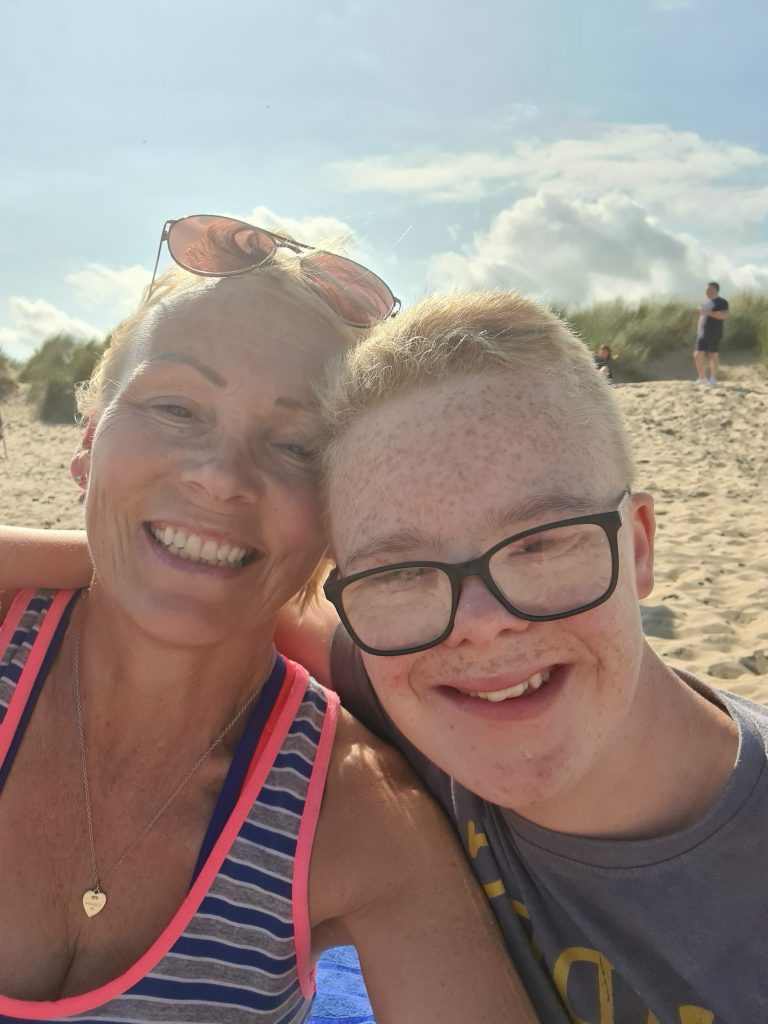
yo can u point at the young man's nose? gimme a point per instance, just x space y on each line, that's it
480 617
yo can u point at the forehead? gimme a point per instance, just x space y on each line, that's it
451 457
237 327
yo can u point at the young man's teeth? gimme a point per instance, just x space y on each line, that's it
517 690
193 548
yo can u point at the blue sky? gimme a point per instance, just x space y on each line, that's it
572 150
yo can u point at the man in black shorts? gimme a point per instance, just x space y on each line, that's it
710 333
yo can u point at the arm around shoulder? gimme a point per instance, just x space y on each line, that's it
58 559
399 888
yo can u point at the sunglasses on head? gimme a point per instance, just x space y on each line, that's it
214 246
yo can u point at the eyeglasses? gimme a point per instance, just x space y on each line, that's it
214 246
549 572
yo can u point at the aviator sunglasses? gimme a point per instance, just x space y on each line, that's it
213 246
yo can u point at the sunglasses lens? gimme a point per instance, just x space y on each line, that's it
356 295
218 245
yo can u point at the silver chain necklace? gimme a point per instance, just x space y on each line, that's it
95 899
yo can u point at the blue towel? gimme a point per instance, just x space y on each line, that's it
341 997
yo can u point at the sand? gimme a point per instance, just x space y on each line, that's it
702 452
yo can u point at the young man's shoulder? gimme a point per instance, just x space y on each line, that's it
377 819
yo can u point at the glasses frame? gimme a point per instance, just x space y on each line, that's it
610 522
280 242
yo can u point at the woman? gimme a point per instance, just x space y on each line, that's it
181 747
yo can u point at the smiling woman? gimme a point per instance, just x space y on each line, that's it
188 818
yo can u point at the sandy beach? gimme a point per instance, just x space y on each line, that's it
702 452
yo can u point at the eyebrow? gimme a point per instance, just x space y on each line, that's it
546 507
215 378
196 364
539 506
292 403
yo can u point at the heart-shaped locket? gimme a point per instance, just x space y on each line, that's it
94 902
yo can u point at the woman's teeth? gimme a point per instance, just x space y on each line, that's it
196 549
517 690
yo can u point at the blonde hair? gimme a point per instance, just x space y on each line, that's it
466 333
283 277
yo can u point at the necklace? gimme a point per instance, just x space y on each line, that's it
95 899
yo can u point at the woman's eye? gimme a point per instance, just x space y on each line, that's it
177 411
299 451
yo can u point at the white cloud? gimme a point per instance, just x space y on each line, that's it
34 320
678 172
579 251
98 287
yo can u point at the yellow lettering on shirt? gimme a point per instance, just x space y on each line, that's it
522 911
687 1015
475 840
581 954
494 889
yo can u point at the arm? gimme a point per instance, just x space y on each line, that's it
43 558
389 876
719 314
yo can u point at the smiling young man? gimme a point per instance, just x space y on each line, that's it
491 556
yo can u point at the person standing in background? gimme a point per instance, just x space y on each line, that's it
710 333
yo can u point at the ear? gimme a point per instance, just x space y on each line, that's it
81 460
643 534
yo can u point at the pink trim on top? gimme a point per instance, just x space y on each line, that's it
265 754
35 658
302 932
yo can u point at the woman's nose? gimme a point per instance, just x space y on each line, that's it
225 472
480 617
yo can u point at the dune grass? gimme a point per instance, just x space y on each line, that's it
54 370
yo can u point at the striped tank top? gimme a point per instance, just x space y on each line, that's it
237 951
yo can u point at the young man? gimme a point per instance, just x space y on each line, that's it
710 334
490 556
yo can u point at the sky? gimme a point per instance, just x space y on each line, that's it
574 150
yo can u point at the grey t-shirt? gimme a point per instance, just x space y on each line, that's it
655 931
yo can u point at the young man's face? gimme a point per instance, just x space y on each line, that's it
443 475
710 291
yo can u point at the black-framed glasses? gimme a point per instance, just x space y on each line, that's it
214 246
545 573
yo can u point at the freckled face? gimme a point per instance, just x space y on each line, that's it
448 462
210 433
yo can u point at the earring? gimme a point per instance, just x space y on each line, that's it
80 479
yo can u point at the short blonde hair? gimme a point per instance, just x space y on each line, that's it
283 277
467 333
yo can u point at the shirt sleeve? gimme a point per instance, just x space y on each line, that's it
350 680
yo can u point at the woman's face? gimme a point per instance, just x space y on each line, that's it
202 512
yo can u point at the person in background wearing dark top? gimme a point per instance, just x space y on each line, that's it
604 361
710 334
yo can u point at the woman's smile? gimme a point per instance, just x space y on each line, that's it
200 546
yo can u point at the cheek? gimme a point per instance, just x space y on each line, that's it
292 519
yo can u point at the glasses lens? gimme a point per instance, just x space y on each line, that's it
218 245
555 571
398 608
356 295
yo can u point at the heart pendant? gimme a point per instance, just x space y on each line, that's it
94 902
